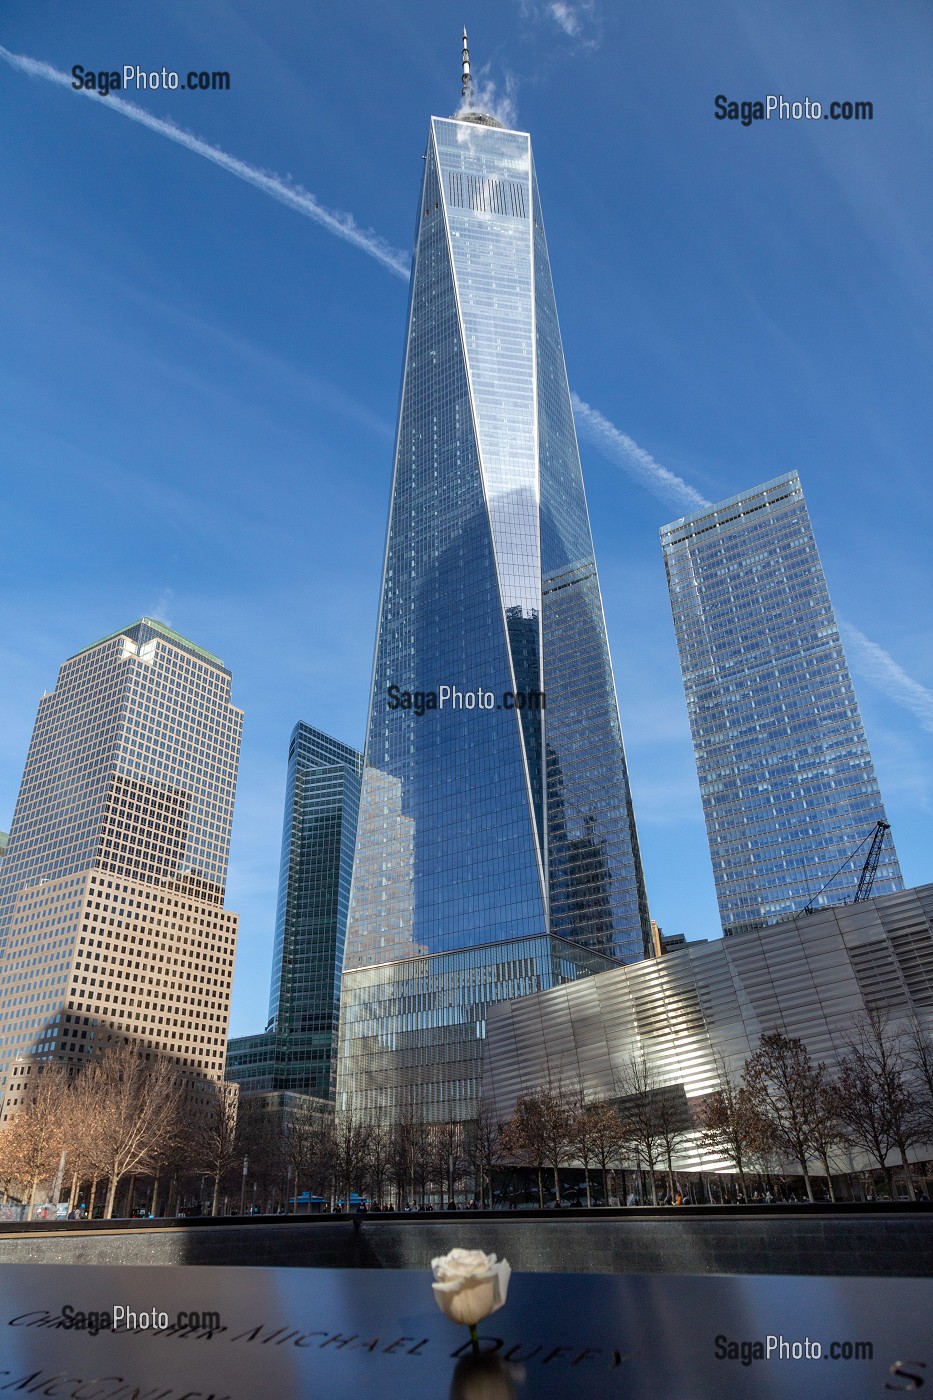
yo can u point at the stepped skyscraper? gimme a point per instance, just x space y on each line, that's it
112 917
497 850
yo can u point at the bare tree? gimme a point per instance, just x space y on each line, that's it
786 1088
379 1159
874 1099
557 1123
216 1145
34 1139
731 1126
80 1111
351 1141
828 1133
449 1151
136 1100
483 1148
299 1148
260 1141
607 1134
645 1124
674 1126
920 1065
583 1134
423 1158
400 1154
526 1137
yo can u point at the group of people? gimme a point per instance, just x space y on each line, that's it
376 1208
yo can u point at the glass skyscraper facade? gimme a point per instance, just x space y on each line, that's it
112 888
788 785
297 1050
495 802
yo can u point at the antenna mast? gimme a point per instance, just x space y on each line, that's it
466 86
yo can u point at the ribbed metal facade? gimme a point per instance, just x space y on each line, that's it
707 1005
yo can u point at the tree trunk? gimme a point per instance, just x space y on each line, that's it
155 1194
540 1190
557 1196
907 1173
90 1204
586 1178
111 1195
216 1194
32 1197
72 1194
131 1197
806 1178
605 1185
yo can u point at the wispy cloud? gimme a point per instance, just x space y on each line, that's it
870 660
578 19
160 608
337 222
867 657
618 446
566 17
486 97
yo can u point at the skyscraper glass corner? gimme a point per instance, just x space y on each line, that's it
495 801
297 1050
788 785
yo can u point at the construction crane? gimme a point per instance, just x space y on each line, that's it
867 878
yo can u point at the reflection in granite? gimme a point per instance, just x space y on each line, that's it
479 1377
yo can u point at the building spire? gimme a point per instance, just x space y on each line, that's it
467 80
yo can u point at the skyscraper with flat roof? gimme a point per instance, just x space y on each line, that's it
296 1052
788 785
112 916
496 826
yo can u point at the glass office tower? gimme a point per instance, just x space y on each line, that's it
788 786
296 1051
495 804
112 911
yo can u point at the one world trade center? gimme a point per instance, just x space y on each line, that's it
496 849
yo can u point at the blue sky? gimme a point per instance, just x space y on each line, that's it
198 383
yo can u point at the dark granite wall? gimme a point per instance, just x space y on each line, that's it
873 1241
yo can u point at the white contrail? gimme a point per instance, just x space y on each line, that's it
665 484
342 225
877 666
871 660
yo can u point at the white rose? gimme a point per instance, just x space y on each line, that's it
469 1285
